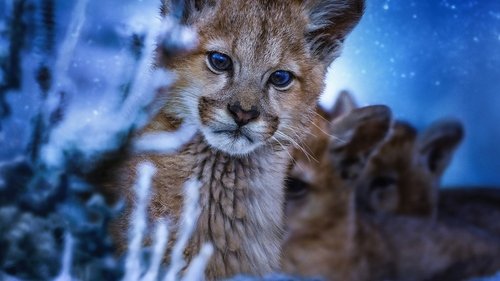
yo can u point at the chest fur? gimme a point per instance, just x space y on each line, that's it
241 203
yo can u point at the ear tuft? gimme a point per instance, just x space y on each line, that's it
438 143
330 21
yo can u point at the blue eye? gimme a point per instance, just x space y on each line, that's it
281 78
219 62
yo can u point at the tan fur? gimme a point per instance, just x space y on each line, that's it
329 236
241 170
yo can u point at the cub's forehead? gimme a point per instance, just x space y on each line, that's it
245 15
256 30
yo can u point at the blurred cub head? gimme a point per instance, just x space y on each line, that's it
258 68
324 177
404 175
321 211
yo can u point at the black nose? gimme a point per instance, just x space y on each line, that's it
241 116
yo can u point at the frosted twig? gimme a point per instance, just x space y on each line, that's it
70 40
65 55
164 142
90 140
144 87
141 90
138 223
133 266
160 243
65 274
189 217
176 38
196 269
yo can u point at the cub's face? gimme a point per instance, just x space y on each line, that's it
253 80
320 183
404 175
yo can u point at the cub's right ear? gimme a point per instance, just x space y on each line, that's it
330 21
355 136
184 10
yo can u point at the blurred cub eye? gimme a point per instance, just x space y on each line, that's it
281 79
219 62
295 188
382 182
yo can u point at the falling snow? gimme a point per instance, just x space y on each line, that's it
426 60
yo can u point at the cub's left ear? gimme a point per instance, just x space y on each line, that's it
438 143
329 23
185 10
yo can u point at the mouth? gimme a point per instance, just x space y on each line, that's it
235 134
234 141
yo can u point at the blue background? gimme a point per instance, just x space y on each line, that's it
431 59
426 59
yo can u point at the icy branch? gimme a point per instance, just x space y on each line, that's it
90 140
65 55
189 217
67 49
164 142
160 243
138 223
133 267
63 151
196 269
67 259
176 40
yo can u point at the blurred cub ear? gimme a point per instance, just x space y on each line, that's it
330 21
438 143
361 129
344 104
400 143
184 10
355 136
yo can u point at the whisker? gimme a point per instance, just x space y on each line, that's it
303 143
307 154
299 138
284 148
321 116
332 136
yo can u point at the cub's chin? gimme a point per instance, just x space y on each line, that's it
235 142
